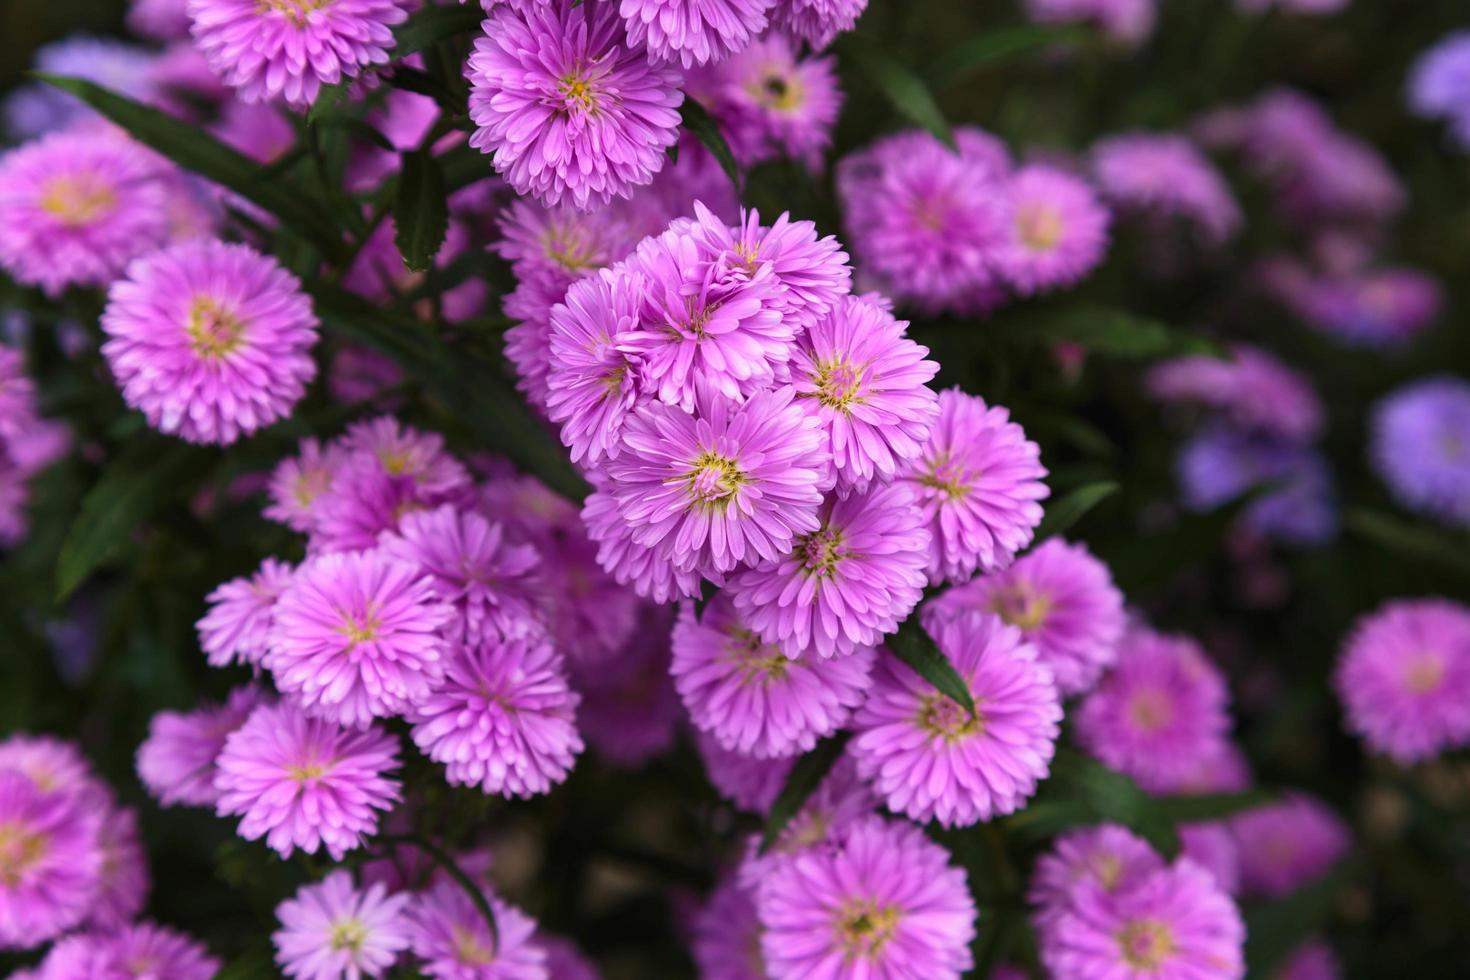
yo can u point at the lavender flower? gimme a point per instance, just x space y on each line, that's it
50 862
1253 390
332 930
1164 175
176 762
1420 446
454 941
238 624
1058 232
1288 843
818 22
693 32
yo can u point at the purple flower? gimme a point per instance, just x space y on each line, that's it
693 32
210 341
635 565
159 20
929 759
1420 446
1253 390
1220 464
818 22
502 719
1158 712
1058 230
564 961
1106 857
725 938
1439 84
141 951
36 109
1404 678
1176 924
569 110
749 695
1063 601
732 484
77 207
844 586
1312 960
286 49
332 930
357 637
298 482
749 782
1285 844
238 624
560 244
978 482
1211 845
455 942
839 799
1163 175
378 272
50 862
122 885
884 902
1125 21
304 783
176 762
404 451
630 710
858 373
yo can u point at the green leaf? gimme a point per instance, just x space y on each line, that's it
914 647
1438 546
897 83
463 165
993 47
1211 806
328 99
1082 791
434 24
1116 332
1060 516
698 121
420 211
253 965
1275 929
800 784
137 485
189 147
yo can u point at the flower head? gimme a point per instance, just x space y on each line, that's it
455 942
1287 843
978 482
693 32
304 783
1440 83
1164 175
1253 390
570 111
630 711
238 624
752 697
726 936
840 798
38 108
333 930
637 566
1106 857
885 902
140 951
176 762
930 759
818 22
1058 230
123 873
1221 463
298 482
50 861
1420 446
749 782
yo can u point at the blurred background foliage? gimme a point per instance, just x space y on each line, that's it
612 857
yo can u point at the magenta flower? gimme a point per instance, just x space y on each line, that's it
304 783
635 565
1176 924
1161 175
693 32
364 501
725 936
54 766
176 762
733 484
564 961
122 881
141 951
1210 845
77 207
818 22
591 380
1058 231
1312 960
748 782
331 930
453 939
402 450
1107 858
753 698
978 481
1404 678
238 624
569 110
868 383
50 861
885 902
503 718
630 711
929 759
1160 711
560 245
844 586
839 799
210 341
1063 601
289 49
357 637
298 482
1285 844
1253 389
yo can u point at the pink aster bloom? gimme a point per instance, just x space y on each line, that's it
929 759
868 383
560 244
298 482
54 766
839 799
1063 601
591 381
1176 924
749 695
160 20
884 903
1404 678
402 450
141 951
1106 857
503 718
473 565
570 111
844 586
978 481
289 49
818 22
564 961
725 937
210 341
1164 175
1158 712
304 783
693 32
1285 844
334 931
1211 846
637 566
77 207
1125 21
357 637
1058 231
364 501
50 861
176 762
733 484
1253 389
748 782
122 880
1312 960
238 624
630 711
454 941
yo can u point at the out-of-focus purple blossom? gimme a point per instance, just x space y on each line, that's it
159 20
1163 175
1252 389
115 65
1107 857
748 782
725 939
1287 843
1220 464
1125 21
1419 444
693 32
1439 84
1058 230
450 935
630 710
1364 307
176 762
818 22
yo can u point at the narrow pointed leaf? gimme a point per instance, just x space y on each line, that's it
1448 550
1061 515
189 147
420 211
1118 333
800 784
699 122
914 647
1211 806
993 47
904 89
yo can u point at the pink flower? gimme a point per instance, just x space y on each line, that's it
333 930
298 482
453 939
176 762
50 861
637 566
1058 233
693 32
1106 857
749 782
1285 844
238 624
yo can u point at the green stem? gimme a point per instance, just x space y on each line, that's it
476 893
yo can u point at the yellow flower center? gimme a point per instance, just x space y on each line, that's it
568 248
823 552
20 849
839 384
1423 674
1107 869
308 772
777 91
78 199
348 934
1145 944
1039 225
362 630
714 481
948 477
1021 607
940 717
214 332
296 11
309 485
757 661
864 928
468 949
1150 710
579 92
